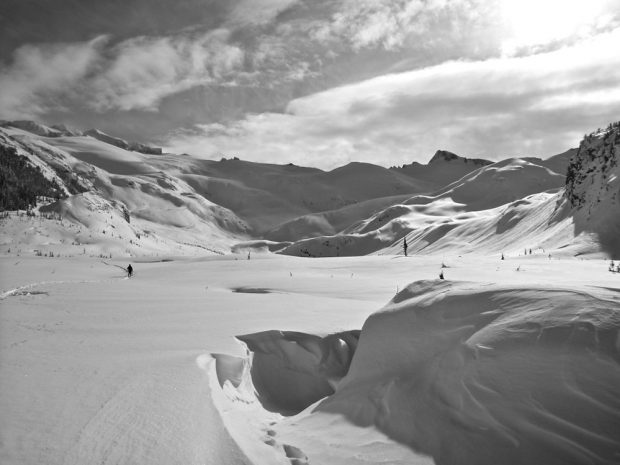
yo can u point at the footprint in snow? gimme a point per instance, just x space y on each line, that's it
295 455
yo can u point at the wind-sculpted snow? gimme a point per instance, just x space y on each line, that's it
462 372
488 374
290 371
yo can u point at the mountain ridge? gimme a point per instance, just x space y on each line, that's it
358 208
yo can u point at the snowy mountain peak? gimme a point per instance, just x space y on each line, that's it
122 143
39 129
444 156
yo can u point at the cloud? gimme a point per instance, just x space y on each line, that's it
532 26
535 105
397 24
144 70
40 74
292 45
250 12
134 74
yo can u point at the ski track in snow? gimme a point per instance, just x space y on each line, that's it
29 289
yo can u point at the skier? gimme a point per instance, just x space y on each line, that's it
405 245
129 270
441 275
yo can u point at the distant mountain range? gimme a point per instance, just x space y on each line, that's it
62 131
131 199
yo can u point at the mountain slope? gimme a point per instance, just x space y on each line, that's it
471 206
206 202
443 168
593 188
267 196
133 146
187 205
509 206
123 205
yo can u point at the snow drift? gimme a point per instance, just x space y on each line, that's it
463 372
485 374
292 370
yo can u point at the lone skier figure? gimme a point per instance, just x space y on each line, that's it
129 270
405 245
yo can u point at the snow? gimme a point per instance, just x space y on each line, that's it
228 347
98 368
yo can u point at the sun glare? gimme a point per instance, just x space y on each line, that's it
538 22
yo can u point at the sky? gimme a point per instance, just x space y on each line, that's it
317 82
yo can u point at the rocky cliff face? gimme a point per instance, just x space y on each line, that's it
442 169
593 186
445 156
593 169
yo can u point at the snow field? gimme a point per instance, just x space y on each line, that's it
97 368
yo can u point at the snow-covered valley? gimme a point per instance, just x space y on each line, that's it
496 340
98 368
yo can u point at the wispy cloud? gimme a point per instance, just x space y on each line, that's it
394 24
40 74
536 105
144 70
473 76
272 44
249 12
134 74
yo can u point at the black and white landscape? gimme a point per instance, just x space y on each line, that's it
360 232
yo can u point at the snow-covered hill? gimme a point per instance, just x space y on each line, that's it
511 206
185 205
122 201
511 361
268 196
115 203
